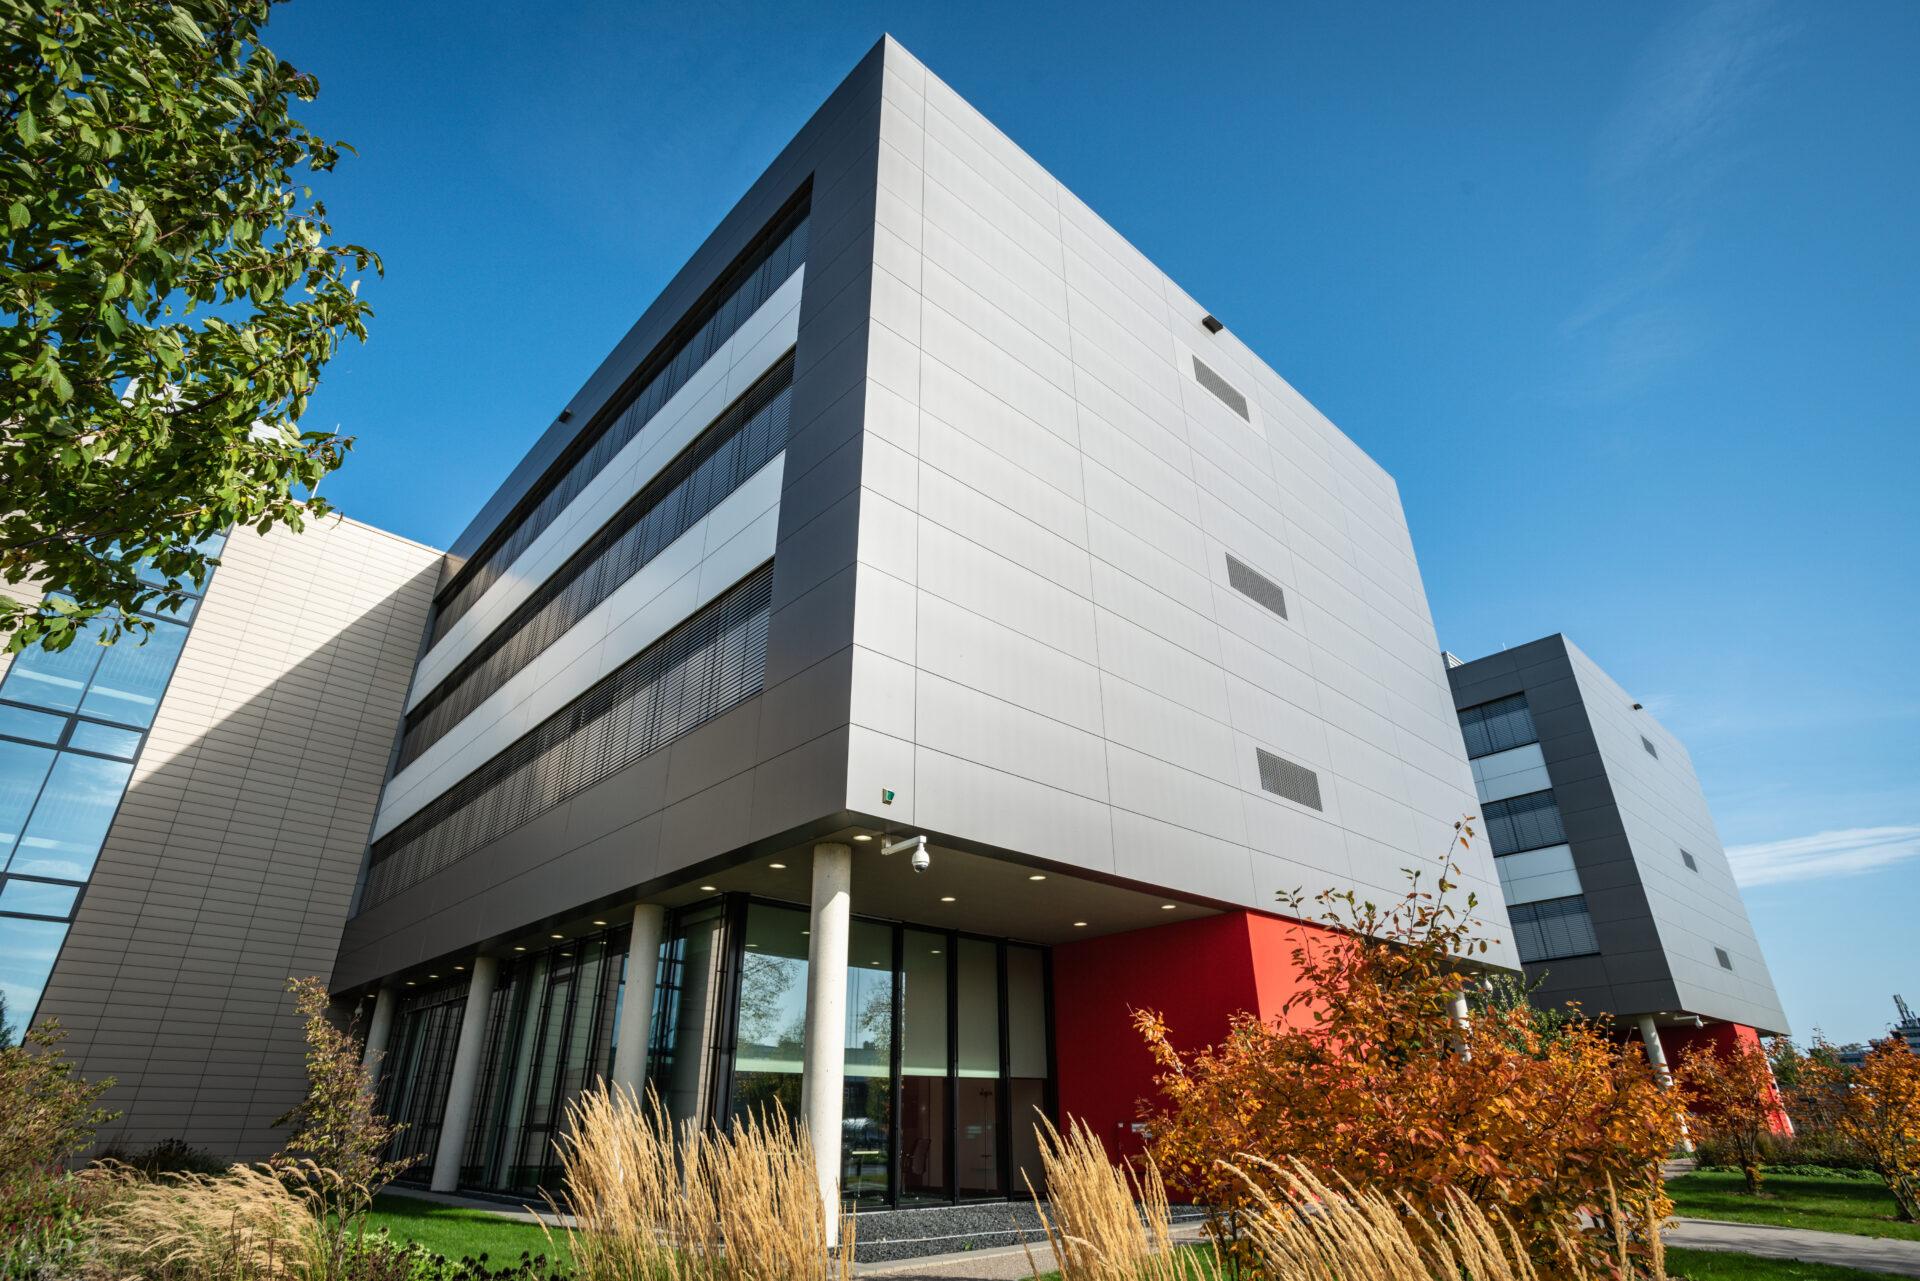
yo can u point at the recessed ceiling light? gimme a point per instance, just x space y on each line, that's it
708 889
862 836
935 952
1079 925
1036 877
433 976
556 936
599 922
806 931
778 867
519 949
946 898
458 968
565 955
409 982
751 943
1168 907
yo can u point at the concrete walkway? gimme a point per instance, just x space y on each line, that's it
1875 1254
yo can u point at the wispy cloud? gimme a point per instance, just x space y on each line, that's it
1668 143
1824 855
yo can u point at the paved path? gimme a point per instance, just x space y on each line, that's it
1875 1254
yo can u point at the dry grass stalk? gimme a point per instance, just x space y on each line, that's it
656 1202
244 1225
1105 1222
1110 1223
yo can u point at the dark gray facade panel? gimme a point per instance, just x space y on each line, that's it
1627 815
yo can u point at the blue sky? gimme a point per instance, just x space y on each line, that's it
1626 296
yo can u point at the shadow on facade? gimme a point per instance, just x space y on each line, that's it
232 859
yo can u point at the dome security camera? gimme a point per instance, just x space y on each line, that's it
918 844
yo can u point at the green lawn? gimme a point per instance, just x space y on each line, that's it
454 1231
1715 1265
1860 1207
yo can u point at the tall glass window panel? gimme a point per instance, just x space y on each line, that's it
773 1012
27 952
686 1001
71 819
922 1031
22 770
977 1108
133 676
503 1109
1027 1066
866 1117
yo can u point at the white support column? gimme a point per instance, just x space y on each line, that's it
1462 1023
1657 1057
466 1075
379 1028
823 1076
636 1000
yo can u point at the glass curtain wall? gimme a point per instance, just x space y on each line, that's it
945 1041
72 723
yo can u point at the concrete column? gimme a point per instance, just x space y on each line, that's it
466 1075
379 1029
823 1076
1657 1057
636 1001
1462 1022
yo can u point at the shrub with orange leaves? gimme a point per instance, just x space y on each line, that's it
1366 1077
1731 1098
1882 1116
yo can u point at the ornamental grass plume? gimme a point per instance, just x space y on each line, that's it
658 1202
1106 1222
247 1224
1111 1223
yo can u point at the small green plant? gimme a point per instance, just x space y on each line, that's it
336 1126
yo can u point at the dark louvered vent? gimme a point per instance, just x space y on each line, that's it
1688 860
1252 583
1648 744
1726 962
1229 394
1283 778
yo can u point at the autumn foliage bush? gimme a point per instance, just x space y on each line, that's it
1367 1079
1881 1117
1730 1095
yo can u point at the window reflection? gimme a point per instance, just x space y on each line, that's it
131 678
71 818
923 1068
37 898
22 770
27 952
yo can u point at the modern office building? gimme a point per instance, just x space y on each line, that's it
919 505
182 822
1620 894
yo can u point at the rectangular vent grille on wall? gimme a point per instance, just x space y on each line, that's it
1253 584
1726 962
1283 778
1648 744
1688 860
1229 395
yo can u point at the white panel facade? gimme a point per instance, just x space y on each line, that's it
1049 500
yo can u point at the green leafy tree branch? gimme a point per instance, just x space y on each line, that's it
169 297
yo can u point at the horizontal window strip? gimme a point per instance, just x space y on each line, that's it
1523 823
1498 726
746 286
742 440
713 661
1554 929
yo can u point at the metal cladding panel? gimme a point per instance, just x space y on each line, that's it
1124 539
231 861
1663 897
